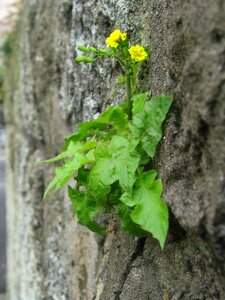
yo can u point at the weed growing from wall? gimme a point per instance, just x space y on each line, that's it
108 157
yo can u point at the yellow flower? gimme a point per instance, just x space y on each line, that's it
115 38
138 53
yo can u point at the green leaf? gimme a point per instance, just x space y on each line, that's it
114 116
150 211
101 174
88 129
90 144
126 160
67 171
131 201
69 152
71 149
147 124
116 161
86 208
101 177
144 156
138 101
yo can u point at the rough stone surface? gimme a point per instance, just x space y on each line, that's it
50 256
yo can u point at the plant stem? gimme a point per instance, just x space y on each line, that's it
129 95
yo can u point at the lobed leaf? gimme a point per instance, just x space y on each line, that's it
126 160
71 149
150 211
67 171
147 124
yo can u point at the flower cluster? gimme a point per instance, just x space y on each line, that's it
116 41
129 58
116 38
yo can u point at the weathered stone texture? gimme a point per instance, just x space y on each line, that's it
50 256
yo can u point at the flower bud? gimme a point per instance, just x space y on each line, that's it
85 59
92 49
82 48
103 51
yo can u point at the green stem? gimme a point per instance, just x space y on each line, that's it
120 61
129 97
134 73
129 94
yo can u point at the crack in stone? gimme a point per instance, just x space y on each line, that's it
138 251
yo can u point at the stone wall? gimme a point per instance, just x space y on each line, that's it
49 255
